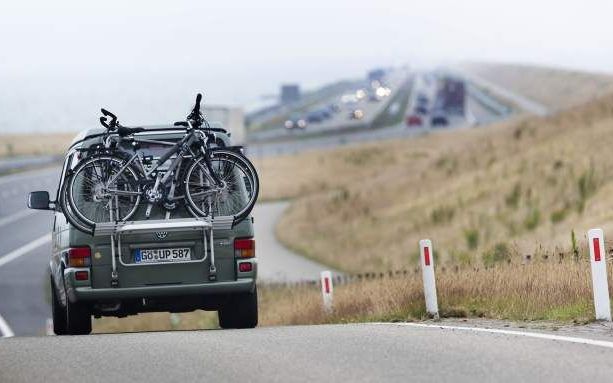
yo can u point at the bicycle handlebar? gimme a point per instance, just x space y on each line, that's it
198 99
196 116
194 119
111 122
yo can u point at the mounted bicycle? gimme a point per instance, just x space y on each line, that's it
109 183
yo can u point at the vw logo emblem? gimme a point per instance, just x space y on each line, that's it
161 234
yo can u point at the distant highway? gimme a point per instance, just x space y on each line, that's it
479 115
338 122
329 353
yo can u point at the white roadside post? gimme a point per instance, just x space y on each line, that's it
427 268
49 327
600 284
326 290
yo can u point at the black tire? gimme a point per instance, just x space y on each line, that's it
88 176
58 312
70 216
78 318
246 189
239 311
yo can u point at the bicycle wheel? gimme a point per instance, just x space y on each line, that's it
98 185
68 212
235 198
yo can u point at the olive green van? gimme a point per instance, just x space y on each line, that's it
160 263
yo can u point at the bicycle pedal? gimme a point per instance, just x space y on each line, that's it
170 205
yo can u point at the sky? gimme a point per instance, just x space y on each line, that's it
66 58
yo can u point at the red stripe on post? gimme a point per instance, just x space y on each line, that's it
597 249
327 285
427 256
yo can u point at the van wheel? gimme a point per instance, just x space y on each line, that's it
58 312
78 318
239 311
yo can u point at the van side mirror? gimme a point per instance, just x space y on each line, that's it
39 200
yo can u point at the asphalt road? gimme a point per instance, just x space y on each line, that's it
23 280
331 353
276 263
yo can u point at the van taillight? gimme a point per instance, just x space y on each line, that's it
79 257
244 248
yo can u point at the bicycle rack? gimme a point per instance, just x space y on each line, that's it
115 229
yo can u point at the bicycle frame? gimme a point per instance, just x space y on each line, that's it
180 149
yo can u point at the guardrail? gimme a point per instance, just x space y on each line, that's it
487 100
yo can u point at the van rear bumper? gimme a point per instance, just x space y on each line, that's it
86 293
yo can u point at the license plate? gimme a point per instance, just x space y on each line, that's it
162 255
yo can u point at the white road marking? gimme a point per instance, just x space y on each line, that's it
571 339
5 330
25 249
15 216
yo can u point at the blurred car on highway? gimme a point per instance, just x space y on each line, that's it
349 98
373 97
379 93
356 114
414 120
315 117
295 122
439 118
334 108
421 109
318 115
422 99
325 113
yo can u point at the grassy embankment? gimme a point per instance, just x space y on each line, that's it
522 186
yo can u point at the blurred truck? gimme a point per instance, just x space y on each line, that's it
451 95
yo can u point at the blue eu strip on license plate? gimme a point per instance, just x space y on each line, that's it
137 256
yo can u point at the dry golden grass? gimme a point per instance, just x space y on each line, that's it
552 291
527 183
34 144
540 291
556 88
